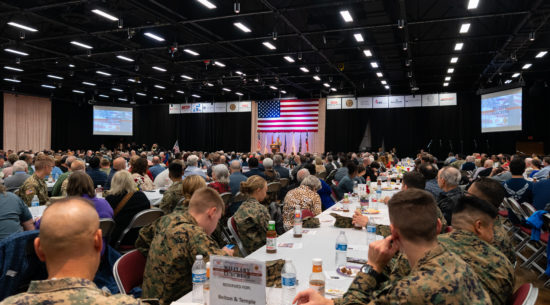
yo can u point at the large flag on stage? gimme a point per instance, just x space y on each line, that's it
176 148
288 116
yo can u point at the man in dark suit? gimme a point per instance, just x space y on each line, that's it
254 170
98 177
277 161
331 164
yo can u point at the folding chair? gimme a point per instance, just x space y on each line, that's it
322 175
141 219
525 295
232 225
128 271
284 182
107 226
538 260
273 189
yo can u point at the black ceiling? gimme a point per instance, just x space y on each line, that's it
312 32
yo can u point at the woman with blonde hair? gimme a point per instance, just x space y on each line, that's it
252 217
189 185
126 201
319 167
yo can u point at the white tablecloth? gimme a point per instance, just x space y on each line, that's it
154 196
320 243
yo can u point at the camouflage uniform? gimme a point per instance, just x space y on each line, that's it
34 186
171 197
503 242
493 269
440 277
56 190
179 239
252 219
67 291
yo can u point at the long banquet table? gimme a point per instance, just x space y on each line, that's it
320 243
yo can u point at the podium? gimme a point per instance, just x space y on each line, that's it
275 148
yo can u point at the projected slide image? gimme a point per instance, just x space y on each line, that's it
501 111
112 121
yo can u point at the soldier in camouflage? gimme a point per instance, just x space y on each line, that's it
437 275
174 193
72 253
35 184
252 217
179 239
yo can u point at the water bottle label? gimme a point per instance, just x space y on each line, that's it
298 228
289 281
341 247
199 278
371 229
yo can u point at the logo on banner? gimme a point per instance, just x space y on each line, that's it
233 107
379 102
349 103
197 108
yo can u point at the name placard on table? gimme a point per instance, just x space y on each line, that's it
237 281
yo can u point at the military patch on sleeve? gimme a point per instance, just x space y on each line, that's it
29 191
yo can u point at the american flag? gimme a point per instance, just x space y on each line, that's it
288 116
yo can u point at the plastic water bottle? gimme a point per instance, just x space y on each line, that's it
341 249
297 222
288 280
35 201
99 191
199 279
371 231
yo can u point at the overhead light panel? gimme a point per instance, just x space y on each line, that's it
13 69
209 84
186 76
326 85
454 60
317 78
507 81
459 46
358 37
105 15
159 69
472 4
219 64
242 27
367 53
54 76
103 95
450 70
153 36
273 87
196 95
16 52
541 54
269 45
82 45
379 74
23 27
445 84
347 16
239 94
13 80
207 3
283 91
88 84
103 73
448 78
78 91
374 64
160 87
289 59
191 52
526 66
304 69
141 94
387 87
117 89
180 92
71 66
464 28
122 99
132 80
333 89
124 58
47 86
515 75
239 72
226 89
383 82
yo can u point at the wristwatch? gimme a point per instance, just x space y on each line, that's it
368 269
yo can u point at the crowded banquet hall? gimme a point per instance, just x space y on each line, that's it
266 152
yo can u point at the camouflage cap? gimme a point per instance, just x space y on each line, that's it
342 221
311 222
274 269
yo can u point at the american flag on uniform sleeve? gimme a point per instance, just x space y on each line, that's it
288 116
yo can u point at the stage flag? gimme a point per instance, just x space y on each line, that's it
288 116
285 144
176 148
259 145
300 145
307 142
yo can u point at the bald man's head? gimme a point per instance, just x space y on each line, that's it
78 165
69 231
119 163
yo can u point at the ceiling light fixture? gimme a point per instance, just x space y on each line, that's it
54 76
16 52
88 84
239 72
405 46
472 4
507 81
210 84
47 86
273 87
226 89
103 95
515 75
186 76
374 64
454 60
122 99
532 36
367 53
459 46
242 27
196 95
269 45
13 69
124 58
304 69
283 91
117 89
401 23
13 80
23 27
103 73
180 92
191 52
526 66
464 28
78 91
289 59
358 37
153 36
347 16
450 70
220 64
333 89
383 82
71 66
207 3
159 69
105 15
82 45
317 78
541 54
445 84
379 74
326 85
239 94
448 78
387 87
160 87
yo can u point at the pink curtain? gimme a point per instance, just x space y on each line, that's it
316 140
27 122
